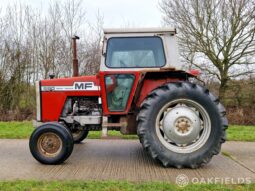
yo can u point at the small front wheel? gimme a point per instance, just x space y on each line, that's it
79 135
51 143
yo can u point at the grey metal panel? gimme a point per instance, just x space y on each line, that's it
140 30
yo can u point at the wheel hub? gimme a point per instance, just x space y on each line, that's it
49 144
181 125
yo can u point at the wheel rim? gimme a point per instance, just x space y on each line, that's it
183 126
49 144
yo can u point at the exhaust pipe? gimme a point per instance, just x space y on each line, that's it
75 59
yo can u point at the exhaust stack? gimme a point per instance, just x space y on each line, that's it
75 59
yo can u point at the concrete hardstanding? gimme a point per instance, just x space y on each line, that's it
116 160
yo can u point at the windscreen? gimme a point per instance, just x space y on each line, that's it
135 52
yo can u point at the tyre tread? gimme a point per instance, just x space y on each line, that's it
142 128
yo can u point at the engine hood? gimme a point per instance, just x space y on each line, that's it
81 83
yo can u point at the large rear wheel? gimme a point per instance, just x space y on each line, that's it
182 125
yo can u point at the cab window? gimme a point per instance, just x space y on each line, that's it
118 88
135 52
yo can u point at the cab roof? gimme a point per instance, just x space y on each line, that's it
139 30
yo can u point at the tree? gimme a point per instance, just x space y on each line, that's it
34 44
90 58
217 36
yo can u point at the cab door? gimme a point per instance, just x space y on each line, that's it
124 59
118 89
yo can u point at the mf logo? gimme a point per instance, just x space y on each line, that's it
84 86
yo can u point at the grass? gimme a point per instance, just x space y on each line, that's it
15 130
114 186
241 133
22 130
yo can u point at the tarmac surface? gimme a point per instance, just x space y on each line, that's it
113 159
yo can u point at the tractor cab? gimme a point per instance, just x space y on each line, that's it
140 49
129 52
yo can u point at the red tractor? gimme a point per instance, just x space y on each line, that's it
140 89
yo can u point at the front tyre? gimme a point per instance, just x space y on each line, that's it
79 135
51 143
182 125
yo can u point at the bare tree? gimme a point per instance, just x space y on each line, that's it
73 18
217 36
34 44
90 52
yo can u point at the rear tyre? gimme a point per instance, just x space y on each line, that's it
79 135
182 125
51 143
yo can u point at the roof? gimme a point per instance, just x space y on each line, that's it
139 30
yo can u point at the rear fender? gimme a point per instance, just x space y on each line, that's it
152 80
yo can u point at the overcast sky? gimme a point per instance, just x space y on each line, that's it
117 13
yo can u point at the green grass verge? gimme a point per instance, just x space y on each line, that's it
241 133
15 130
21 130
114 186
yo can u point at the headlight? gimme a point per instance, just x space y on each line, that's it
38 101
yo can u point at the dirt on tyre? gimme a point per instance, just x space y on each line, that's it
51 143
182 125
79 135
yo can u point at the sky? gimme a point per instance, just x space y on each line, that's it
116 13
